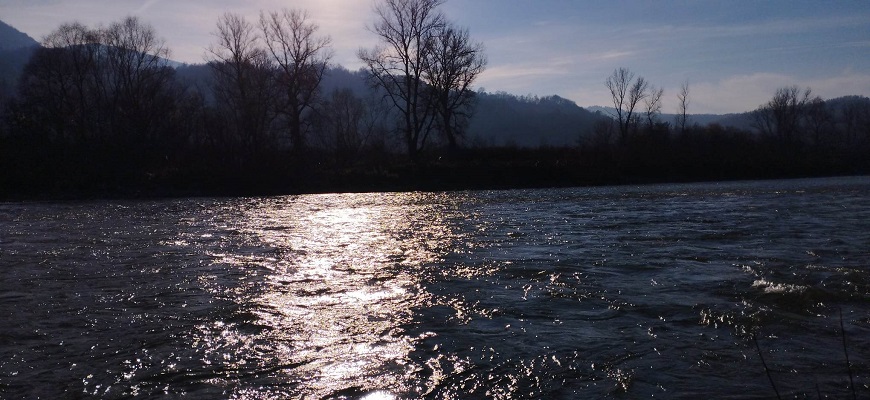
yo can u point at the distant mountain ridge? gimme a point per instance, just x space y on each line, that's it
503 119
12 39
15 50
735 120
744 120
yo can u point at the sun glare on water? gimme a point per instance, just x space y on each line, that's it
336 287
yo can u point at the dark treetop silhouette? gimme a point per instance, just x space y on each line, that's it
102 112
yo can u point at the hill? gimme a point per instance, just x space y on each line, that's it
11 38
735 120
15 50
838 106
502 119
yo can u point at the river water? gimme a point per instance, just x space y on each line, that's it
657 291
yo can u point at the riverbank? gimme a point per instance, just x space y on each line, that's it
467 169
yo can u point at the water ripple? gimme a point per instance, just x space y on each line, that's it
570 293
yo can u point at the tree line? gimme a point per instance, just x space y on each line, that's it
793 118
101 111
793 134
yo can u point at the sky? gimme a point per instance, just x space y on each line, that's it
734 53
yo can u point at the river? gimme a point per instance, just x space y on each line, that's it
657 291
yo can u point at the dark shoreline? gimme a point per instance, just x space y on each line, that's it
471 169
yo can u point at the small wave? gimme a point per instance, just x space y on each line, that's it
772 287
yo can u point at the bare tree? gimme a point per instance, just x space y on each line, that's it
243 81
452 64
59 83
405 27
100 83
136 48
653 104
301 58
626 92
138 77
349 124
682 107
781 116
762 120
103 102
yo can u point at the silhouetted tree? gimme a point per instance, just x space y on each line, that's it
452 64
59 89
102 104
348 124
139 83
781 116
244 82
682 118
111 84
301 59
653 104
626 92
397 65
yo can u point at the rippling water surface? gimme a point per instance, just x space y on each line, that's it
624 292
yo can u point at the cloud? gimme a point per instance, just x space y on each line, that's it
545 73
30 3
187 25
611 55
755 29
737 93
343 21
503 74
741 93
847 83
148 4
554 47
346 23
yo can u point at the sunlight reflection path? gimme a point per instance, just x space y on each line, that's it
339 278
341 306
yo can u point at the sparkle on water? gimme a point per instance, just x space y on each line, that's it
342 281
572 293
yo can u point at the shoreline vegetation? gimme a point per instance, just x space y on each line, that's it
101 112
32 168
465 169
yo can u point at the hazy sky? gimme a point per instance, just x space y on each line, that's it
734 54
